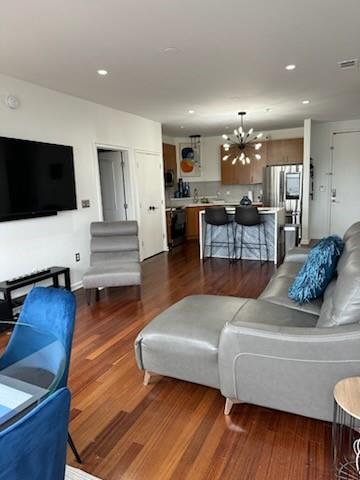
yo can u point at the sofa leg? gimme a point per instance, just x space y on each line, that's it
147 377
228 406
229 403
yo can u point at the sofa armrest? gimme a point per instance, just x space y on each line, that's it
297 254
289 368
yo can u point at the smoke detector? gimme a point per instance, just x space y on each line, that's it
348 64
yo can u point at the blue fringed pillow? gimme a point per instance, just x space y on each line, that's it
318 270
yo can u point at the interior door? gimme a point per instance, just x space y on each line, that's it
112 186
152 211
344 194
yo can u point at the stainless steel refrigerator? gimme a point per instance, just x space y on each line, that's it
282 187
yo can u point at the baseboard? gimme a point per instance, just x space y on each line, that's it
76 285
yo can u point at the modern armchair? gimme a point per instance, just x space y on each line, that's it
34 448
51 309
114 258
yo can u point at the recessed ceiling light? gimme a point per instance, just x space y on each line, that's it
191 112
268 109
102 72
305 102
290 67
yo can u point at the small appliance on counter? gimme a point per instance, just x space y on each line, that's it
245 201
183 190
169 177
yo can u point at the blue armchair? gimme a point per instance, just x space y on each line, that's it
34 448
51 309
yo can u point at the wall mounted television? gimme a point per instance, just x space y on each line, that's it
36 179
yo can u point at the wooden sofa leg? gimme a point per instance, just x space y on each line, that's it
147 377
229 403
228 406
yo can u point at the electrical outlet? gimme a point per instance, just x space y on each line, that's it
85 203
77 257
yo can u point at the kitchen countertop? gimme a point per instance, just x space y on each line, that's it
219 203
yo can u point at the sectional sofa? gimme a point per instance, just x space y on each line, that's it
270 351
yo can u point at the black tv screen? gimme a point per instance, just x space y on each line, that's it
35 179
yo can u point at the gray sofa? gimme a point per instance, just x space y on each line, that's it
269 351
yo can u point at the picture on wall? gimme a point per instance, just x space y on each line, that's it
190 165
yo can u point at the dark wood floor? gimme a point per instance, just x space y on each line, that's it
173 429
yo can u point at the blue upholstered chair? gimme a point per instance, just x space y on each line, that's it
34 448
49 309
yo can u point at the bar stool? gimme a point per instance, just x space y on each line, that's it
249 217
216 216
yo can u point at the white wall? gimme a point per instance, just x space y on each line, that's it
49 116
321 139
210 152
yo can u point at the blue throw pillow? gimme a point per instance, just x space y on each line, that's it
318 270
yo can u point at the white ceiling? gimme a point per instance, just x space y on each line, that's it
230 56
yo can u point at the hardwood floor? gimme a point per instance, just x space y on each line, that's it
172 429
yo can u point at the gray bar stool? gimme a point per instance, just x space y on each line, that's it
216 217
249 217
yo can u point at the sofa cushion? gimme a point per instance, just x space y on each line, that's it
277 290
262 314
118 275
344 305
355 228
182 342
318 270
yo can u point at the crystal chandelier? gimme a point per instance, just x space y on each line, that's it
246 143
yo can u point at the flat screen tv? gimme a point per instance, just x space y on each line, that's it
36 179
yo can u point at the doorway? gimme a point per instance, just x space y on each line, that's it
344 193
152 203
113 172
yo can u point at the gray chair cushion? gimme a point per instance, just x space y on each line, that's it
118 275
104 229
277 290
182 342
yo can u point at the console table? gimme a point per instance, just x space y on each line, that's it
53 272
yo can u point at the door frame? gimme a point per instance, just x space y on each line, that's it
136 167
129 186
331 172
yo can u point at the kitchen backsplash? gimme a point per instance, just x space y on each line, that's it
217 189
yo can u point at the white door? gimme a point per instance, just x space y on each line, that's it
344 193
112 186
151 203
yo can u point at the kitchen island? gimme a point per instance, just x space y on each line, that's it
273 219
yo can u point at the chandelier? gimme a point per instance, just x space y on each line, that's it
245 142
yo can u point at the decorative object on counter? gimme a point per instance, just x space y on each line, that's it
190 164
244 141
245 201
248 217
204 200
196 195
318 270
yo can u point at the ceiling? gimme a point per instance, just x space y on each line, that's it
230 55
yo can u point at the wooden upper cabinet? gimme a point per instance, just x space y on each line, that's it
169 156
285 152
240 174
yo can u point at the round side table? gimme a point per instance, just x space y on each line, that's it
346 429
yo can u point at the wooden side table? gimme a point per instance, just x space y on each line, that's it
346 429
